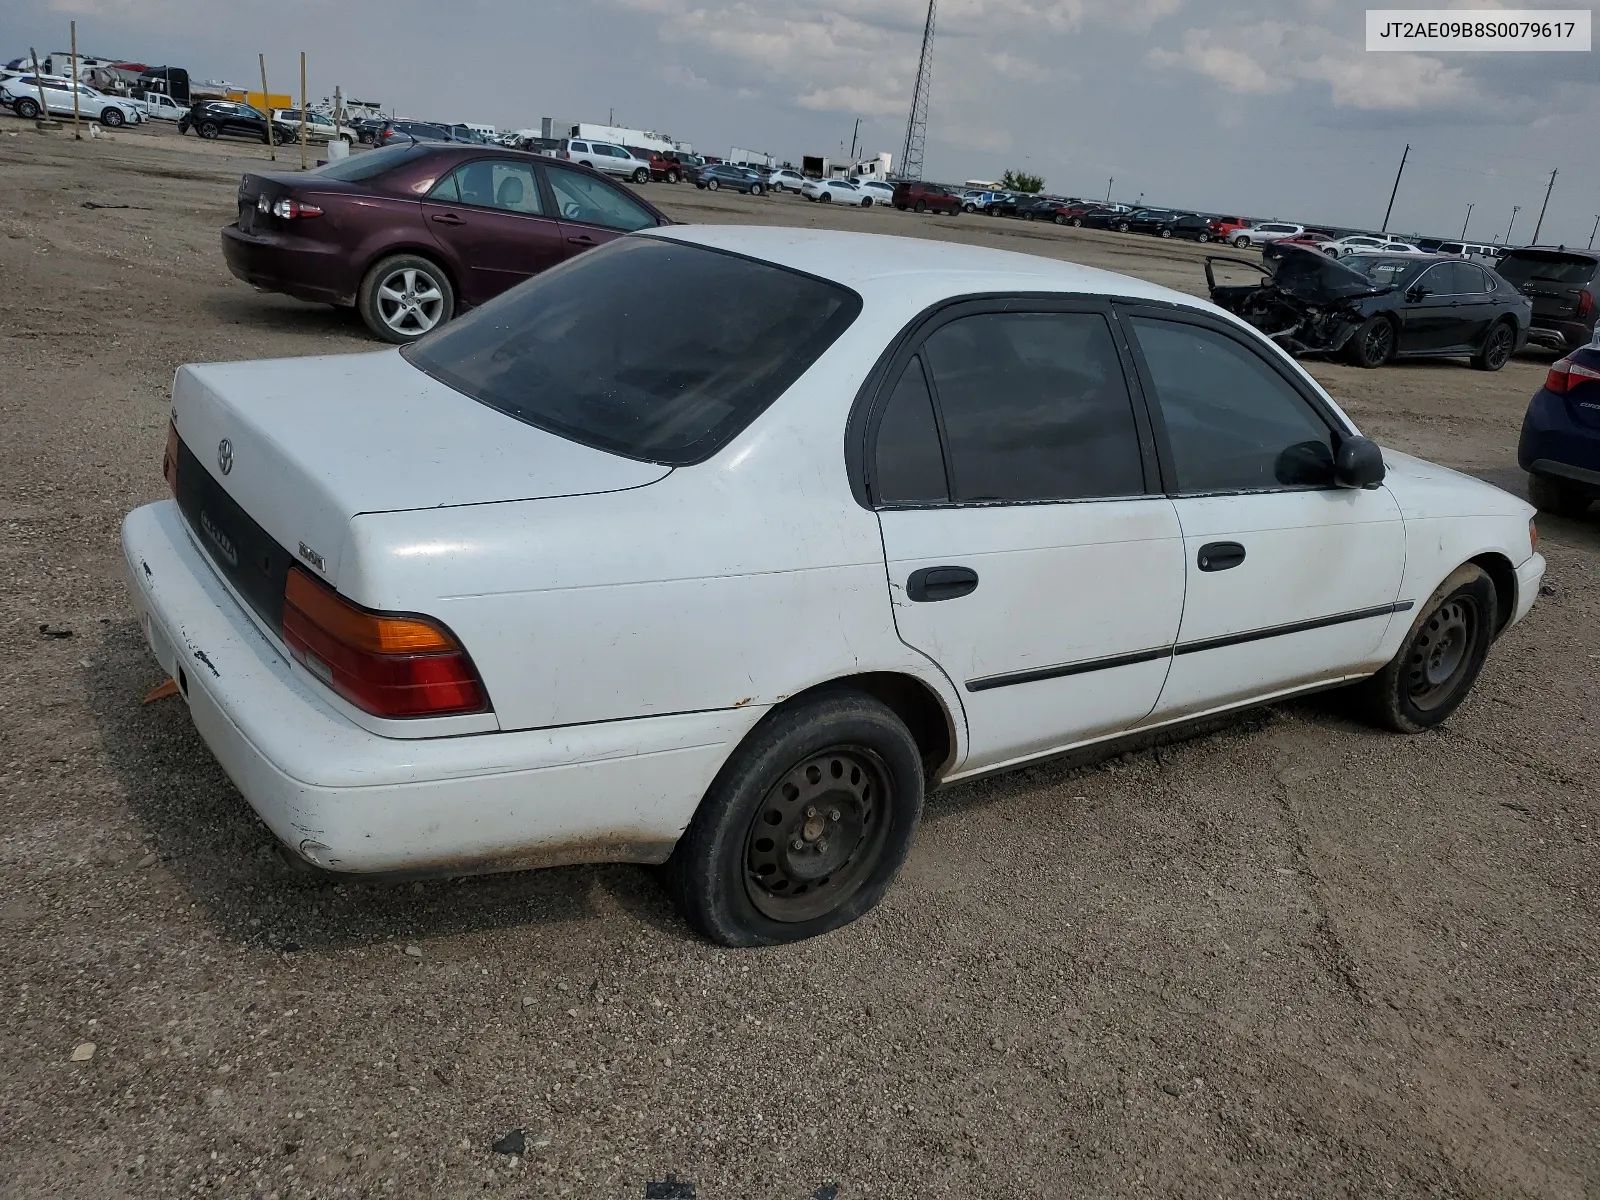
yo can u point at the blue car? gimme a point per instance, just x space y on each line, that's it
1560 445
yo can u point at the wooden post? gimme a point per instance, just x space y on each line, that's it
305 121
338 115
44 109
266 100
77 135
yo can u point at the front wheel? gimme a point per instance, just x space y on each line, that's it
27 109
712 185
673 177
404 297
1202 237
804 827
1497 347
1441 657
1558 496
826 197
1077 222
969 208
112 117
921 206
1166 233
866 202
210 130
758 190
1122 227
1373 344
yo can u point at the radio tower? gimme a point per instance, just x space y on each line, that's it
917 126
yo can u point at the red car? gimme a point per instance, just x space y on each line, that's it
665 168
1071 214
926 197
1222 228
411 235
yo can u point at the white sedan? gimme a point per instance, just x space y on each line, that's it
836 191
1366 244
592 574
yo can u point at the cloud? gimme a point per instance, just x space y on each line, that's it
679 76
1016 68
864 101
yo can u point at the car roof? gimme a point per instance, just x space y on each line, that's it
916 268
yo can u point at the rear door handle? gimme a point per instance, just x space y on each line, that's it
583 239
448 219
1219 556
941 583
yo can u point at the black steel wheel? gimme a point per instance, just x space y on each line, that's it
1441 657
1373 344
804 827
1497 347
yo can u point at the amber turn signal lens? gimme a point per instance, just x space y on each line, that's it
169 457
371 633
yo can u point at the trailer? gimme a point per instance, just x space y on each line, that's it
616 135
751 158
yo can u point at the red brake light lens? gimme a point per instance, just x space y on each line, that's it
1565 375
385 664
1585 302
169 458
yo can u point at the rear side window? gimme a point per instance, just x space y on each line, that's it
1035 407
1233 423
908 465
605 351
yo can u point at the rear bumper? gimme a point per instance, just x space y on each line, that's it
1560 335
1553 444
344 799
315 271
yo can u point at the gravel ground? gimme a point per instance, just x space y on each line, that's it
1290 957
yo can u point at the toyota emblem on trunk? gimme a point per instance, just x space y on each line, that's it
225 455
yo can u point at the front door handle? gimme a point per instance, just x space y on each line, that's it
1219 556
583 239
448 219
941 583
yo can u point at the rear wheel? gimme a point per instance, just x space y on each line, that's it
1166 233
1077 222
1202 237
1558 496
673 177
404 297
642 175
1497 347
1122 227
1441 657
112 117
1373 344
712 185
804 827
1241 241
866 202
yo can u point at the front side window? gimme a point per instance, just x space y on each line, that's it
595 202
1233 423
1035 406
603 349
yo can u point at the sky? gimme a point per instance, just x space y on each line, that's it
1269 108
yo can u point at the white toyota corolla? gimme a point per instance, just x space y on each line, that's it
595 574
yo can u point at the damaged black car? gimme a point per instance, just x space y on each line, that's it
1374 308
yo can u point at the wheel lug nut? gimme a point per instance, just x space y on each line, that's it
811 810
798 843
834 814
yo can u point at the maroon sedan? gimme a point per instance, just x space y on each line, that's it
412 235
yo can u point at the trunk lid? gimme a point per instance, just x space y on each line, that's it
312 442
1556 281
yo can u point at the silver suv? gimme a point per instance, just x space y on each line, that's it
603 156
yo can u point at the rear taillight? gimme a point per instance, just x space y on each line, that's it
1565 375
290 210
169 458
1585 302
386 664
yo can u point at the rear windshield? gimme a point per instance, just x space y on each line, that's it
371 164
647 348
1520 267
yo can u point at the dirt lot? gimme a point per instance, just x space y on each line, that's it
1291 958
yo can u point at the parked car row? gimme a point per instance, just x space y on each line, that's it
29 96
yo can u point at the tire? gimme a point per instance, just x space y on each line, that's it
1166 233
712 185
826 198
899 208
1497 347
210 130
1122 227
1202 237
112 117
758 190
1559 496
584 162
1077 222
27 109
866 202
1372 344
405 296
964 207
842 764
673 177
701 186
1242 242
641 176
921 206
1440 659
1027 216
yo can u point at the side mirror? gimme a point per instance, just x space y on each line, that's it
1358 463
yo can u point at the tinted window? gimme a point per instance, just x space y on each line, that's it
1519 267
603 349
1470 280
371 164
492 184
1232 421
909 465
1035 407
595 202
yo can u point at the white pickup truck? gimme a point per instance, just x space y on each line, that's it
159 105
